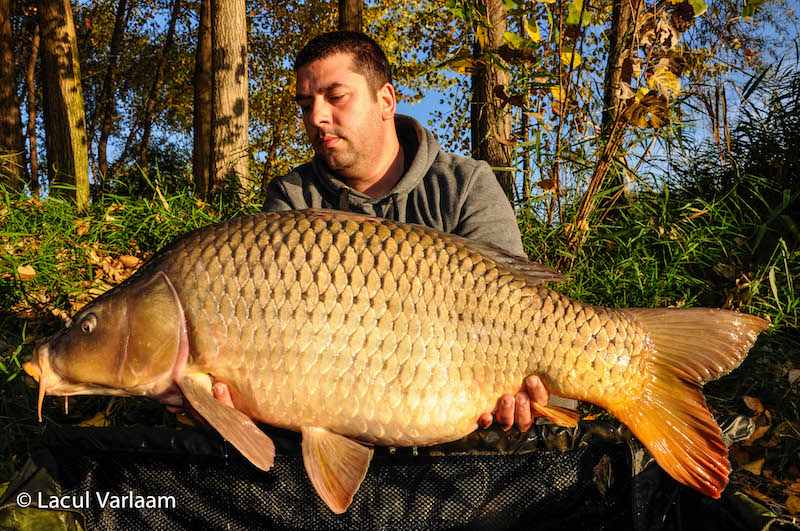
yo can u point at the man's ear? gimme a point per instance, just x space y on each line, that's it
387 99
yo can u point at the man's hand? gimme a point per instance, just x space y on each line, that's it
517 410
221 393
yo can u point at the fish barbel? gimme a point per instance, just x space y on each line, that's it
356 330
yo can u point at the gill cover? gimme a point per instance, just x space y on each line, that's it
127 338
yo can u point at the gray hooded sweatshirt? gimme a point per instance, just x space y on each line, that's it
447 192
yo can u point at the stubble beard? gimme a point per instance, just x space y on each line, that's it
351 157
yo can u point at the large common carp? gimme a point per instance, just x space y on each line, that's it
358 331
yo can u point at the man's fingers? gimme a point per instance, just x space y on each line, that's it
522 414
485 420
223 394
536 390
505 412
517 410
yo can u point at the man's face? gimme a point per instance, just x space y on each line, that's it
344 119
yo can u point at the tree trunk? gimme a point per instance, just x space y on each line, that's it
203 112
108 101
491 125
12 161
157 82
351 15
30 81
623 19
64 115
230 105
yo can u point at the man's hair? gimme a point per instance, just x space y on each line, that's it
368 58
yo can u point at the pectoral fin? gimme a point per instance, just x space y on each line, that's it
335 464
560 415
232 424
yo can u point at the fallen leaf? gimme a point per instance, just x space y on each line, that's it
185 419
98 421
757 495
771 443
603 476
129 261
760 431
793 375
93 256
793 504
82 228
754 467
26 272
754 404
738 455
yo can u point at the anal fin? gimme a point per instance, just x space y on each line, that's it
560 415
232 424
335 465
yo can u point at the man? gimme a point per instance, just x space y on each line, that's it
371 161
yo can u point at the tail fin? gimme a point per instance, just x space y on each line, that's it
688 348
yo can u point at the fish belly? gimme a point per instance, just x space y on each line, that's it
383 332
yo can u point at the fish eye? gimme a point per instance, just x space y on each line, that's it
88 323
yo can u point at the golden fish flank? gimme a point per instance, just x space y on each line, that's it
347 328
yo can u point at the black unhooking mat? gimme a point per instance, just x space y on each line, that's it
590 477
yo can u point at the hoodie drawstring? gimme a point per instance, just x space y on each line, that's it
396 208
344 198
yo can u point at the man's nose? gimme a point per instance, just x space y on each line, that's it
320 114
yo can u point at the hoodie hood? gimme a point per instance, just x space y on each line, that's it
420 148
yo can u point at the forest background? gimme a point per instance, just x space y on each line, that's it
649 148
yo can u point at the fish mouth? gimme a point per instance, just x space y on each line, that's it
39 369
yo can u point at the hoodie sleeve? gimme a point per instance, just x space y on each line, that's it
486 214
